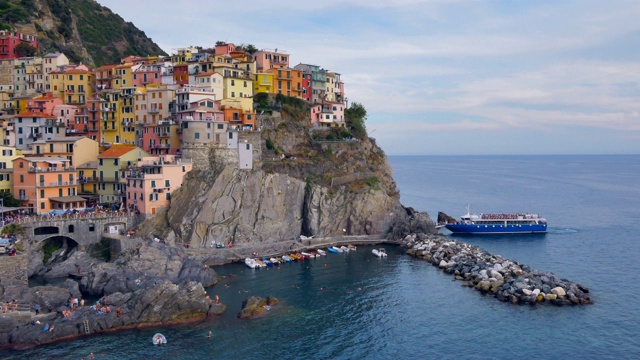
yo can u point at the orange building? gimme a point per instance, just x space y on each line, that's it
45 184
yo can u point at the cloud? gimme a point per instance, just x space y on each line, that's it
445 67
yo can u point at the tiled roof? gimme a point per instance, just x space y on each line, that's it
34 114
116 151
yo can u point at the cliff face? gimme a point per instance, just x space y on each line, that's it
247 207
83 30
298 187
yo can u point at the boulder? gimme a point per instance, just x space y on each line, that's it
256 305
558 291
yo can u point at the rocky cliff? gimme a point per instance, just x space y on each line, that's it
300 186
83 29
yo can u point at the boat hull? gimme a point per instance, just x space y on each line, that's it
481 229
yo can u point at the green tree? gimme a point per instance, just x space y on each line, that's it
23 50
8 199
355 117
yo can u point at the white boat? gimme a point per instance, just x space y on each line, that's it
379 252
274 261
344 248
251 263
286 258
337 249
158 339
352 247
321 252
307 255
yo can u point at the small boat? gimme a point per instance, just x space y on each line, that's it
286 258
344 248
321 252
338 249
508 223
267 262
379 252
251 263
275 261
352 247
307 255
294 257
260 263
301 256
158 339
332 249
314 254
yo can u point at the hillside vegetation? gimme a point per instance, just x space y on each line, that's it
83 29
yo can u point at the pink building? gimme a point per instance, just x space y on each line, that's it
146 74
44 104
271 60
327 114
151 183
225 48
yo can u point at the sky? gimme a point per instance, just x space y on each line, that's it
445 77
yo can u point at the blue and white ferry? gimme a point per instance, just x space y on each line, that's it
511 223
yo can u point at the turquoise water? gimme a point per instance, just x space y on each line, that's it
361 307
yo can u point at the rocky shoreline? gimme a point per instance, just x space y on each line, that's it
155 285
505 279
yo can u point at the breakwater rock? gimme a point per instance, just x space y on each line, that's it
505 279
256 305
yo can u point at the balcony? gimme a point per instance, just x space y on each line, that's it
108 110
109 129
23 198
93 110
153 111
34 136
164 135
56 183
162 146
109 180
34 169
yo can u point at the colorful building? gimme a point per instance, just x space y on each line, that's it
263 83
33 126
73 86
271 59
7 155
45 184
327 114
151 183
10 41
112 166
77 149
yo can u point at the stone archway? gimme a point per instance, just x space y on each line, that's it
46 230
57 248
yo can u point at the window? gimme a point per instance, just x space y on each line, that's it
167 183
42 193
153 183
197 135
21 178
42 205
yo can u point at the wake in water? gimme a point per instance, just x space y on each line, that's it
561 231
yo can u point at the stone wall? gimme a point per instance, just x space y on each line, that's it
119 246
205 156
13 270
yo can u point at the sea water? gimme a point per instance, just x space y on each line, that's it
356 306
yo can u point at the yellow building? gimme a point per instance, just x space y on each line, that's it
112 168
183 55
77 149
73 86
7 155
122 76
263 83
